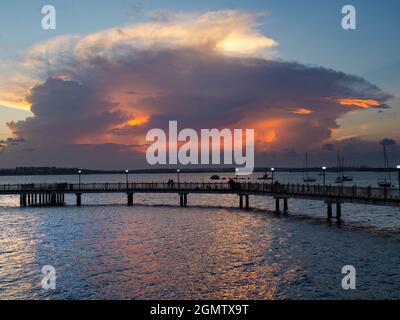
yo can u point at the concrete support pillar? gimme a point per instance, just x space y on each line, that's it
181 200
79 199
241 201
247 202
329 210
338 211
285 205
277 205
185 202
130 199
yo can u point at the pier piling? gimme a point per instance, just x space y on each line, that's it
130 199
79 199
329 210
285 205
338 211
41 199
277 205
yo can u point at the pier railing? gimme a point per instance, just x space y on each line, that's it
189 187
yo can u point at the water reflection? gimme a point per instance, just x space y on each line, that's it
144 252
211 250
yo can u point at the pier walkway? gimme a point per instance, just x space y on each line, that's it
54 194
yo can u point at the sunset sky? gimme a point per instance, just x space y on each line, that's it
85 94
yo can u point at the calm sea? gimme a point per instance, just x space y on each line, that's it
209 250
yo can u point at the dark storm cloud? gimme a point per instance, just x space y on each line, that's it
199 90
65 111
203 90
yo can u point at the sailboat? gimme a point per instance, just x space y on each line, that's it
306 177
388 182
342 178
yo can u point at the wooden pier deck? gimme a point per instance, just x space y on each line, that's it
53 194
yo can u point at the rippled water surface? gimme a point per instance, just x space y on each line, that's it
155 249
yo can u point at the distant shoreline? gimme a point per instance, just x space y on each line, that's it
74 171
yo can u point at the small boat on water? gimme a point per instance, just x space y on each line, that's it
306 177
387 183
265 177
342 178
215 177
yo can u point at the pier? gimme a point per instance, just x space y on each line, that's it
332 196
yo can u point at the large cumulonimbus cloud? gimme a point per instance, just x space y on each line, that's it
212 70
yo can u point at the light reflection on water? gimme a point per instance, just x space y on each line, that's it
163 251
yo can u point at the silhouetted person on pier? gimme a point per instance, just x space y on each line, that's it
234 185
275 186
170 183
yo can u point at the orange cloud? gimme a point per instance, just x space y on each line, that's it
361 103
268 131
14 89
301 111
137 121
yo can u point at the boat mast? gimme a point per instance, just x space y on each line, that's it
340 174
306 173
386 164
342 166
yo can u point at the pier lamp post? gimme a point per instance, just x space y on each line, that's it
178 172
80 173
398 172
324 176
273 175
127 180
